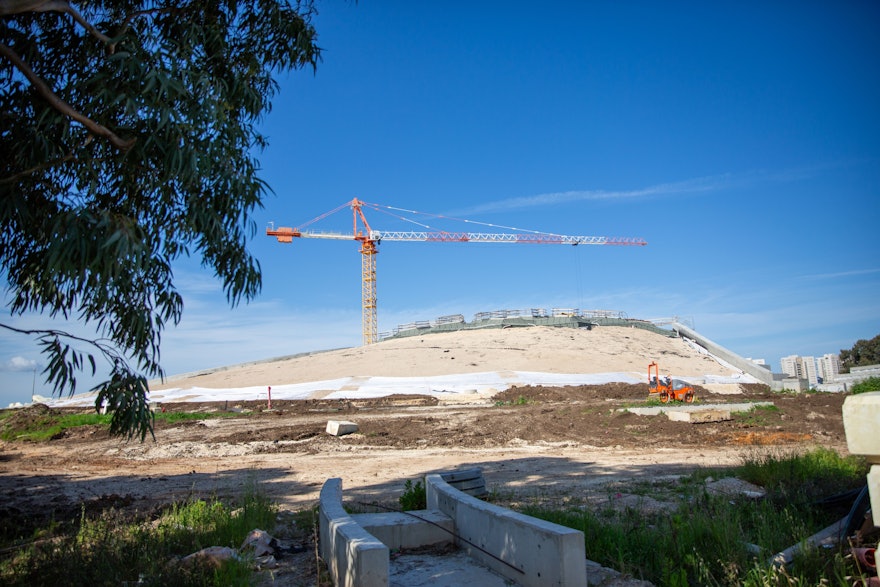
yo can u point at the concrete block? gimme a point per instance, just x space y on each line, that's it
341 427
410 529
861 420
700 417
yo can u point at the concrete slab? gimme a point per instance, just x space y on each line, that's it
665 409
341 427
699 416
455 569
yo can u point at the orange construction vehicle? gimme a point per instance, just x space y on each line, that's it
668 389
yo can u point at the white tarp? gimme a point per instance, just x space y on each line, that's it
373 387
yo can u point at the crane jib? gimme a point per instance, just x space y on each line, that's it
483 237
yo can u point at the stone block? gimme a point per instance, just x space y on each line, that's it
341 427
861 419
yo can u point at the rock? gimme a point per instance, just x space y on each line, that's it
731 486
260 542
599 576
213 556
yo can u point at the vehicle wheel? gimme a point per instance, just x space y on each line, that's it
689 397
664 397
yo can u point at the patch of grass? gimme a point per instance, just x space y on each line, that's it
757 415
110 549
520 401
173 417
651 402
803 477
706 541
40 426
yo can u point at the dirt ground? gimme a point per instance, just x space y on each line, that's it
533 443
528 440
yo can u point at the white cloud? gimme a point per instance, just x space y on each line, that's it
707 184
841 274
19 364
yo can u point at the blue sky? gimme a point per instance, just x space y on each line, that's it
740 140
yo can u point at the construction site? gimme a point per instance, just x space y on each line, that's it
543 443
547 407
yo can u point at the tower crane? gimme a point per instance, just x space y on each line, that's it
370 239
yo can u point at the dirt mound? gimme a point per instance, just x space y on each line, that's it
542 349
28 418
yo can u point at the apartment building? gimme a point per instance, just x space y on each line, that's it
815 371
829 367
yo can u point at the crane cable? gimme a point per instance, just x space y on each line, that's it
378 207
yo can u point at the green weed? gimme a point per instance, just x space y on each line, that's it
414 496
709 540
111 549
869 384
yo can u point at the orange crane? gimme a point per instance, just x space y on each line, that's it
370 239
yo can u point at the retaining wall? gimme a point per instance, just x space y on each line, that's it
354 557
526 550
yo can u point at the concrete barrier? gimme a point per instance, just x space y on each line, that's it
528 551
861 414
354 557
760 373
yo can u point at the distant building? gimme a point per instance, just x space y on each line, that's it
799 367
829 367
812 373
791 366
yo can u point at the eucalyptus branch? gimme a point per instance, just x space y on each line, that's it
47 164
106 349
149 11
60 105
12 7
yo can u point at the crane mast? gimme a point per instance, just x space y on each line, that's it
370 240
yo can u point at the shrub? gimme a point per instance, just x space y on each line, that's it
414 496
869 384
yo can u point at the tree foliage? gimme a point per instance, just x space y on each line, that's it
864 352
128 133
